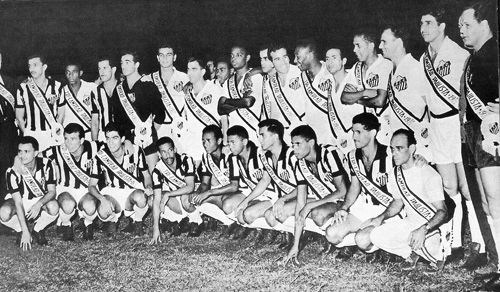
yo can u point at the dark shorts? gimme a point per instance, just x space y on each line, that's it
474 140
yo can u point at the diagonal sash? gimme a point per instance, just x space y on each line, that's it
316 98
167 99
31 182
56 128
215 170
283 185
121 173
266 101
475 102
8 96
286 109
78 109
199 112
358 73
245 114
246 178
317 186
142 131
413 200
443 89
170 175
336 125
372 189
73 167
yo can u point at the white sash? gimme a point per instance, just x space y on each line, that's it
319 101
8 96
77 108
143 130
165 96
266 102
287 111
169 175
284 186
31 182
370 187
443 90
56 128
199 112
358 73
333 118
245 177
475 102
73 167
315 184
245 114
215 170
110 163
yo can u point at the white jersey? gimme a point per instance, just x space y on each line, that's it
249 118
317 103
78 109
408 109
172 94
375 77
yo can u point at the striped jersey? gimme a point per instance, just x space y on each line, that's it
44 175
101 105
251 173
184 167
226 164
284 168
77 108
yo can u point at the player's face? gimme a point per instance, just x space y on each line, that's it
470 29
167 153
362 48
388 44
195 72
265 63
211 67
26 153
128 65
333 61
73 141
360 135
238 58
303 58
266 138
114 141
210 143
236 144
36 67
429 28
401 152
105 71
281 61
301 147
73 74
166 57
222 72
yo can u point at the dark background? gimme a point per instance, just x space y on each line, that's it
84 30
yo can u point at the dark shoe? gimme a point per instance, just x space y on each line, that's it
391 258
243 234
212 224
166 225
111 229
457 254
287 239
237 231
184 225
475 259
88 232
434 268
40 237
130 226
176 230
270 237
260 234
346 252
59 229
229 230
195 229
18 238
138 229
328 248
374 257
410 263
487 272
492 285
67 233
79 225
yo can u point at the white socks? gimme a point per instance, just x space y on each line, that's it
64 219
495 231
139 213
348 240
13 223
456 229
195 216
87 219
260 223
215 212
475 231
171 215
44 220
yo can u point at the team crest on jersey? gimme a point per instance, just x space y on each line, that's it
42 181
206 99
226 172
131 96
443 68
343 143
424 133
257 174
178 85
284 175
401 84
294 83
329 177
86 99
382 178
325 85
372 80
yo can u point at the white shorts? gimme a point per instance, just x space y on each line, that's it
446 143
120 195
44 139
363 210
77 194
27 203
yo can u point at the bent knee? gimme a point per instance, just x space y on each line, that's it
6 212
362 239
333 235
52 207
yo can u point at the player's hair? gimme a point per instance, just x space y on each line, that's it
214 129
75 128
241 47
42 58
368 120
306 132
485 10
274 48
238 131
73 63
164 140
410 136
112 61
114 127
273 126
29 140
166 44
135 56
400 31
438 12
370 35
223 60
311 45
341 51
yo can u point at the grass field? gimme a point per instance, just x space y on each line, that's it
199 264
